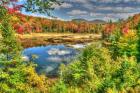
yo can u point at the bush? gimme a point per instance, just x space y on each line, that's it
138 42
124 45
21 78
16 76
96 72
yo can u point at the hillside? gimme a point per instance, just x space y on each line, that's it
129 23
132 22
27 24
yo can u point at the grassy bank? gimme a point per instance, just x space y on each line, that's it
37 39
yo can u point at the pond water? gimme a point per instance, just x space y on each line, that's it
49 58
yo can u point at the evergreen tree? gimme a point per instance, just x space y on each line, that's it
9 45
16 76
138 43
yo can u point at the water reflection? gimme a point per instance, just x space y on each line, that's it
50 57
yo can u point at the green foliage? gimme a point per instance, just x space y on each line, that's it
96 72
21 78
127 45
123 44
138 42
16 76
113 69
9 45
59 87
41 6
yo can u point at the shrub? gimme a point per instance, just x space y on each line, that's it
124 45
138 42
16 76
96 72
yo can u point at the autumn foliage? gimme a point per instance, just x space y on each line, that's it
28 24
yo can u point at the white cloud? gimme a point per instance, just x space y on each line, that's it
112 16
107 9
77 12
115 1
79 1
63 5
104 1
117 9
100 9
138 0
92 14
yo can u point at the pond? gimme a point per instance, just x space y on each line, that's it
49 58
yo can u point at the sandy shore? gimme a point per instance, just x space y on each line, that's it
38 39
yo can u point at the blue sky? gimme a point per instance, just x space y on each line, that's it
94 9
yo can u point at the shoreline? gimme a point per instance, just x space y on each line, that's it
43 39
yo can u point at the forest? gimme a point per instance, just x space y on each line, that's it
110 64
28 24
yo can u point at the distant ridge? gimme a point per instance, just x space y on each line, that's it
97 21
79 20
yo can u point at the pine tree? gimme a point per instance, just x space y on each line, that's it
138 42
9 45
16 76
